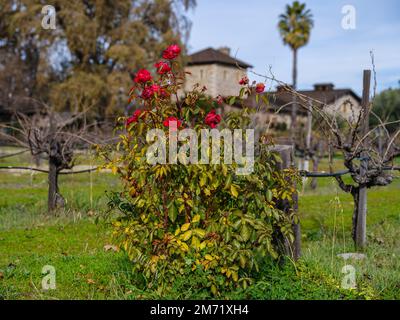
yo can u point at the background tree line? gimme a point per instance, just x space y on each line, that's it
87 62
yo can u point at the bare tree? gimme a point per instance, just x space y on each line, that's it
310 145
367 165
368 161
49 134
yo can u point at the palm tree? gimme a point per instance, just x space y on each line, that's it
295 28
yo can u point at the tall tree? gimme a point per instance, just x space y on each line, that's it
295 27
83 66
86 62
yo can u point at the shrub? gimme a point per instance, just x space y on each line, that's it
199 220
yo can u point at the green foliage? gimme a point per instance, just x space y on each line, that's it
386 106
94 41
74 245
180 219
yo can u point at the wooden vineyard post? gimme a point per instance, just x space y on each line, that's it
286 153
361 226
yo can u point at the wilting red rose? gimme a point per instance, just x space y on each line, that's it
260 87
162 67
244 81
212 119
171 52
135 117
149 92
142 76
220 100
168 122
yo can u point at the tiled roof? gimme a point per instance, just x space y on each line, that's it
281 99
210 55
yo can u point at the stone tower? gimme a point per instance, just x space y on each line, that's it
217 70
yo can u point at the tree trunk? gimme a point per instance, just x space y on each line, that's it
281 243
361 227
53 185
355 193
296 247
306 164
294 71
294 103
314 181
54 199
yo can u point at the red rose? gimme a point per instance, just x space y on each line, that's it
168 122
149 92
142 76
162 67
135 117
159 91
220 100
260 87
171 52
212 119
244 81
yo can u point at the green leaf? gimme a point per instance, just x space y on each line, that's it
200 232
186 236
185 227
172 212
245 233
228 182
234 191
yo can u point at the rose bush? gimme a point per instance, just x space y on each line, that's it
192 220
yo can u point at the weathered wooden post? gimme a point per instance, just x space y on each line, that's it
286 153
361 226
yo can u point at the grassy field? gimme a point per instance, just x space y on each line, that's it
73 242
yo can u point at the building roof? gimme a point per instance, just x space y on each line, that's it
211 56
323 92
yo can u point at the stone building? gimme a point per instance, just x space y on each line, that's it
344 103
217 70
220 73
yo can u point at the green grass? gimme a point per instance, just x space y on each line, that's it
74 243
326 223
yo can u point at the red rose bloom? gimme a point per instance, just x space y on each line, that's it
244 81
171 52
212 119
260 87
220 100
149 92
162 67
142 76
135 117
168 122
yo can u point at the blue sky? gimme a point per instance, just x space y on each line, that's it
333 53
